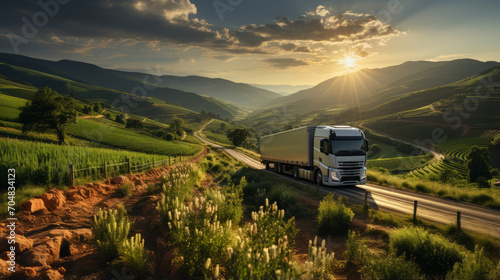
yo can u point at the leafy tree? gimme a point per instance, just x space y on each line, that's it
87 110
238 135
131 123
120 118
176 126
97 108
48 111
479 164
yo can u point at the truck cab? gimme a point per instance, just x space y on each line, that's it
339 155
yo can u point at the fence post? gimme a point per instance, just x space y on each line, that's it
415 212
71 174
459 220
105 170
153 163
128 165
365 206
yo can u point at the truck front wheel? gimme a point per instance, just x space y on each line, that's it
318 178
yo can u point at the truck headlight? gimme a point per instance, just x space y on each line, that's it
334 175
363 175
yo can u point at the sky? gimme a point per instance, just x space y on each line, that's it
272 42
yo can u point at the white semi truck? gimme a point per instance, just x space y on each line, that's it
326 155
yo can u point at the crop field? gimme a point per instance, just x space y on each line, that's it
42 163
126 139
398 163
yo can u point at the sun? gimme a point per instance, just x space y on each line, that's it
349 62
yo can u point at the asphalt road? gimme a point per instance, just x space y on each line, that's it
474 218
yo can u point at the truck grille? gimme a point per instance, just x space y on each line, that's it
350 172
351 164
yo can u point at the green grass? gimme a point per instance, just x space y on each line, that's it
486 197
9 107
398 163
98 131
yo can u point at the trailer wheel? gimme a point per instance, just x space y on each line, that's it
280 168
296 172
276 167
267 165
318 178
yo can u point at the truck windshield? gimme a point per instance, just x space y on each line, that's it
346 147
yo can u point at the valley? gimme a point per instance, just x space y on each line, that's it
161 151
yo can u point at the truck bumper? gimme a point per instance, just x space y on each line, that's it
342 181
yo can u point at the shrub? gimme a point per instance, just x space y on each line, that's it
125 190
198 235
110 229
264 247
319 262
334 217
356 251
179 181
134 255
229 202
473 267
391 268
432 253
419 187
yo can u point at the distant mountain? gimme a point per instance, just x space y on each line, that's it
284 89
375 86
237 93
97 81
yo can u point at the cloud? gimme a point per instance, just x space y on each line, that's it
284 63
224 58
159 23
322 11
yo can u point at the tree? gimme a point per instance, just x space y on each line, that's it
238 135
48 111
97 108
176 126
479 164
132 123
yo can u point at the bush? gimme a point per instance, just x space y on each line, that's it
229 202
110 229
419 187
286 199
319 263
391 268
334 217
134 255
125 190
473 267
263 247
198 235
356 251
433 253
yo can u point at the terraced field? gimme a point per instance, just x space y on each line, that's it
456 152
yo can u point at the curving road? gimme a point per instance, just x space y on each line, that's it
474 218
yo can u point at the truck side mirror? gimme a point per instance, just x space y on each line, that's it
323 146
366 145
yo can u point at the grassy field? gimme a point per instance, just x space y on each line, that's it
98 131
